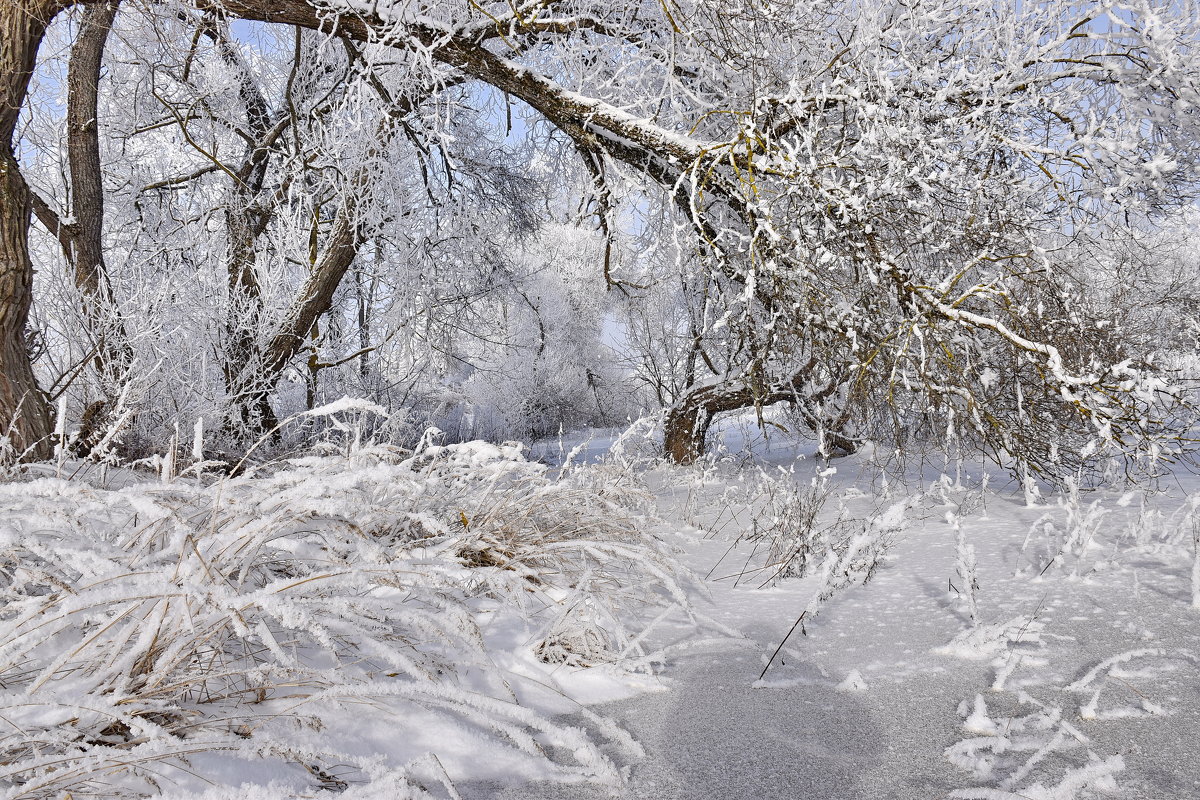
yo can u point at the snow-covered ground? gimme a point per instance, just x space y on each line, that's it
462 622
1079 680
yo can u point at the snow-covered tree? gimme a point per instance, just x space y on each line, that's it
885 206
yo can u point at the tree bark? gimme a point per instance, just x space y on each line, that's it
83 159
685 429
24 411
114 357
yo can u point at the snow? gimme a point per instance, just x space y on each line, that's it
619 668
853 683
938 707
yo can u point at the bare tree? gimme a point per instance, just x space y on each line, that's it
82 238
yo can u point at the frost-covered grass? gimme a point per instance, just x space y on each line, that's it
373 621
376 623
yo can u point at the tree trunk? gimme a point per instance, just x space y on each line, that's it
685 431
24 411
83 157
686 426
114 357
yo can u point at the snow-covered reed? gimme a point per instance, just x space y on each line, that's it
848 560
150 632
790 521
966 567
1195 564
1072 538
1189 529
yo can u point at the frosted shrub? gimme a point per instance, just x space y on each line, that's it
142 627
1074 537
1083 523
789 521
580 539
1149 526
639 444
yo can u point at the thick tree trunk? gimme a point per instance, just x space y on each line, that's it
685 429
24 412
83 158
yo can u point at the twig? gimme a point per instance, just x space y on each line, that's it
781 644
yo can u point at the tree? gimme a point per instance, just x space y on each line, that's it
879 198
303 157
853 266
24 414
82 238
907 202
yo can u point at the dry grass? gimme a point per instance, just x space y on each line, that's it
143 627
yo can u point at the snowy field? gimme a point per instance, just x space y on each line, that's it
462 622
914 235
1077 682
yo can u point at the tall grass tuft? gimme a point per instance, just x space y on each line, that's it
147 633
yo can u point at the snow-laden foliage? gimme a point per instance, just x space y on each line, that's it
341 616
267 174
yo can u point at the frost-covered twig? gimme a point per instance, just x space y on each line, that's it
965 566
